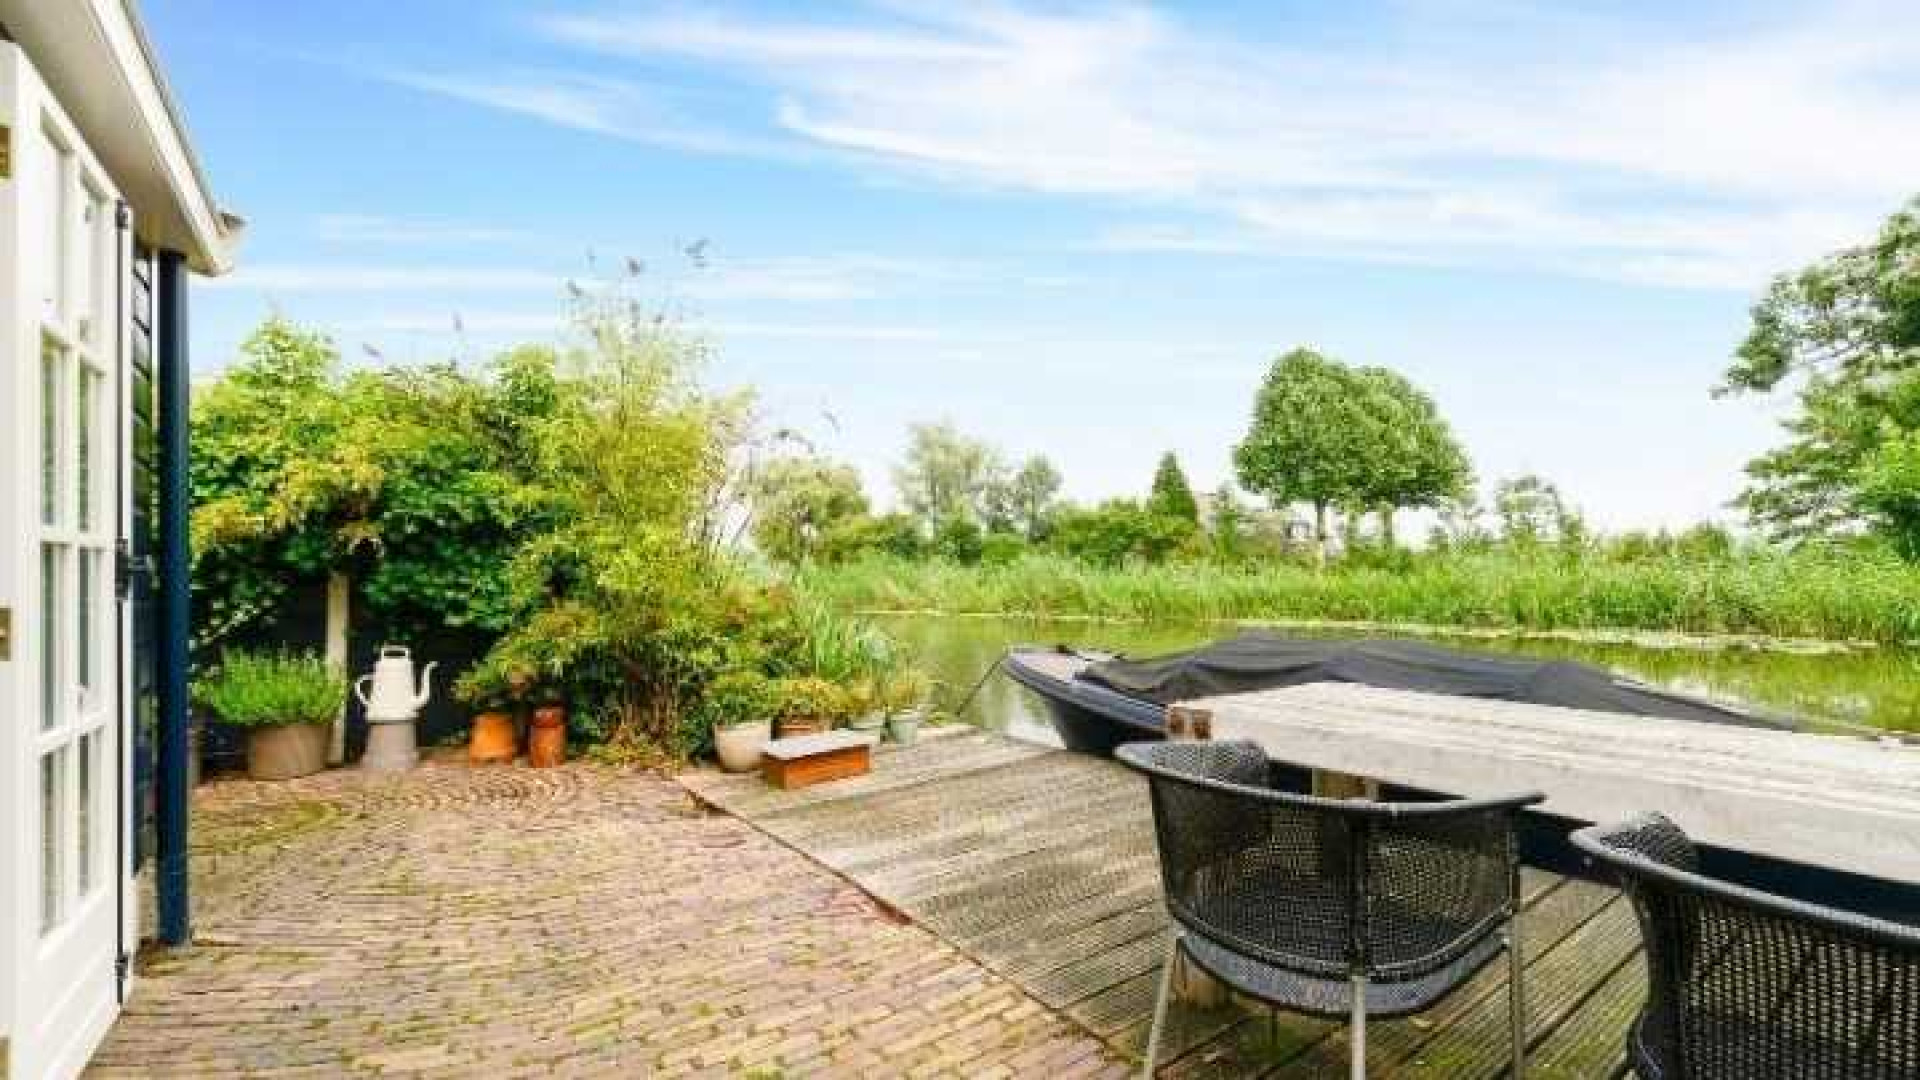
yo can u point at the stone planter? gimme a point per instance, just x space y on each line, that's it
904 727
493 739
392 746
871 724
286 751
739 745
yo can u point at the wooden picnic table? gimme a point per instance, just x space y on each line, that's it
1841 802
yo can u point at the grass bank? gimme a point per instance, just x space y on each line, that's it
1773 594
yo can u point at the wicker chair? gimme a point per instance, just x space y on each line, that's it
1744 985
1335 908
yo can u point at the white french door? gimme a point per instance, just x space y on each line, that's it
65 784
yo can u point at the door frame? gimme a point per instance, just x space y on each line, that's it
63 985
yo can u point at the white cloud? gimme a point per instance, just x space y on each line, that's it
1511 136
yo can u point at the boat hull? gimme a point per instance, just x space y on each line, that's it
1089 719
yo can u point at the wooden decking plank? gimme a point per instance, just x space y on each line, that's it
1037 849
1042 866
1015 826
749 797
1475 1046
1109 933
1553 915
1063 882
1014 939
1089 975
897 796
906 822
1590 1042
1223 1040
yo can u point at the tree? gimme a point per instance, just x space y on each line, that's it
798 501
1227 524
1419 462
1848 327
1118 531
394 486
1033 496
1315 438
946 473
1531 511
1171 496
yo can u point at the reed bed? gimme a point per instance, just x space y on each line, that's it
1841 597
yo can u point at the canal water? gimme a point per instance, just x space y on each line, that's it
1876 688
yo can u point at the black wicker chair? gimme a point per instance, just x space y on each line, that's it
1744 985
1335 908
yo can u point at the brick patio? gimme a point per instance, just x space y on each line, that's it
573 922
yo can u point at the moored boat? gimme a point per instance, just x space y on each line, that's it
1098 701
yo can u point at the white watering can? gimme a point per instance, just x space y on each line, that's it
394 697
391 744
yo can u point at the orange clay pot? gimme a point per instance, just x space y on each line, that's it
492 740
547 738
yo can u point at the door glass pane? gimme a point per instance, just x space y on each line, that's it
89 765
52 843
83 611
49 435
51 623
89 384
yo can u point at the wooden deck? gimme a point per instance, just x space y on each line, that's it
1040 864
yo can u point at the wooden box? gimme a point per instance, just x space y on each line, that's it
815 759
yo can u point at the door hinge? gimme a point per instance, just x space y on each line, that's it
6 633
122 971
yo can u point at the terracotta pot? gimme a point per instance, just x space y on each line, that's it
286 751
788 727
492 739
738 745
547 739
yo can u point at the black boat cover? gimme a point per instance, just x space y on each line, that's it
1261 661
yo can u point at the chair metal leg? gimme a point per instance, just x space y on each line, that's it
1357 1030
1517 998
1160 1007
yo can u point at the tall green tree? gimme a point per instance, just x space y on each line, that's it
1531 511
948 474
1033 496
1171 495
799 501
1418 462
1846 332
1315 438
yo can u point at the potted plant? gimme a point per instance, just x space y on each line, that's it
486 690
866 705
907 701
285 702
806 706
547 734
738 707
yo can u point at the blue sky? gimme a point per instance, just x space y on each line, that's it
1078 230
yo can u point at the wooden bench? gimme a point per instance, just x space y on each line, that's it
815 759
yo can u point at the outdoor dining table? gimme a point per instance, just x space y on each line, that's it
1842 802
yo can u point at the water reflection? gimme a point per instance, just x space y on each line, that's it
1877 688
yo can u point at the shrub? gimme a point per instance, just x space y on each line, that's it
731 698
253 690
809 698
